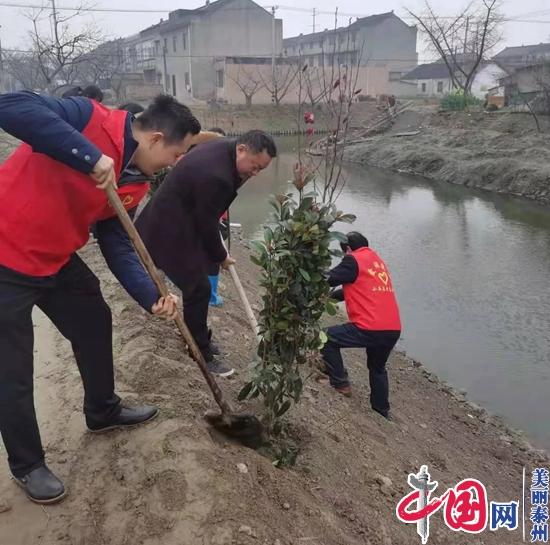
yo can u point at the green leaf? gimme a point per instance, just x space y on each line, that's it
256 260
331 309
284 408
258 246
277 428
305 275
335 235
323 337
347 218
243 394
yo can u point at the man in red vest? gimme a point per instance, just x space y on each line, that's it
374 319
50 196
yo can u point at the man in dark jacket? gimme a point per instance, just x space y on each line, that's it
180 225
374 319
50 195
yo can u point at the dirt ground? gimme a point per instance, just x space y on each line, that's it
498 151
174 482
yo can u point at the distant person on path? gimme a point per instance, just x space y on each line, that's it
184 215
51 192
375 325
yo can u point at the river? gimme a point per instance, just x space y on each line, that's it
471 271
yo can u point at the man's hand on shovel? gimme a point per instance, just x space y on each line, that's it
166 307
227 262
104 173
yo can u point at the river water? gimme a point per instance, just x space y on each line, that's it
471 271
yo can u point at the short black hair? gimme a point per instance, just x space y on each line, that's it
132 107
355 240
165 114
217 130
72 92
94 92
258 141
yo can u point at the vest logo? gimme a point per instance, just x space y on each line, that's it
127 200
379 273
384 277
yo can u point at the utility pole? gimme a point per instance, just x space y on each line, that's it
55 30
466 36
273 8
189 63
314 13
166 82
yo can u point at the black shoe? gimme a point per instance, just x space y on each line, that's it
218 368
127 417
213 348
385 414
42 486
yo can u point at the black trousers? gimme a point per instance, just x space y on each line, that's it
72 300
378 345
195 294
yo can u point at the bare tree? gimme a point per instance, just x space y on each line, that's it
23 67
103 64
534 91
280 79
57 56
464 41
248 82
313 85
542 79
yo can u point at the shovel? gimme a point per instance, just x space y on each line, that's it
239 287
246 428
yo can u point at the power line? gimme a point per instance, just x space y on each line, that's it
517 19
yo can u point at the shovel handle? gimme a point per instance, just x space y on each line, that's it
149 265
244 300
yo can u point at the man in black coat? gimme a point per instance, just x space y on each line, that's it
180 224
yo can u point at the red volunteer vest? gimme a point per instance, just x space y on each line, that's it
370 301
47 208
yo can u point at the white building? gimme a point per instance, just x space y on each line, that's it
434 80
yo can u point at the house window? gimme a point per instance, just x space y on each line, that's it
185 41
321 60
220 78
395 76
321 44
174 85
331 40
187 80
341 39
311 45
423 87
439 86
174 45
165 45
157 47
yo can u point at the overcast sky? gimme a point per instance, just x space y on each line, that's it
14 26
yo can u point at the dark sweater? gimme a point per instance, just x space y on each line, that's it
180 224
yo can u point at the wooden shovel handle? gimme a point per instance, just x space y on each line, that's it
244 300
149 265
